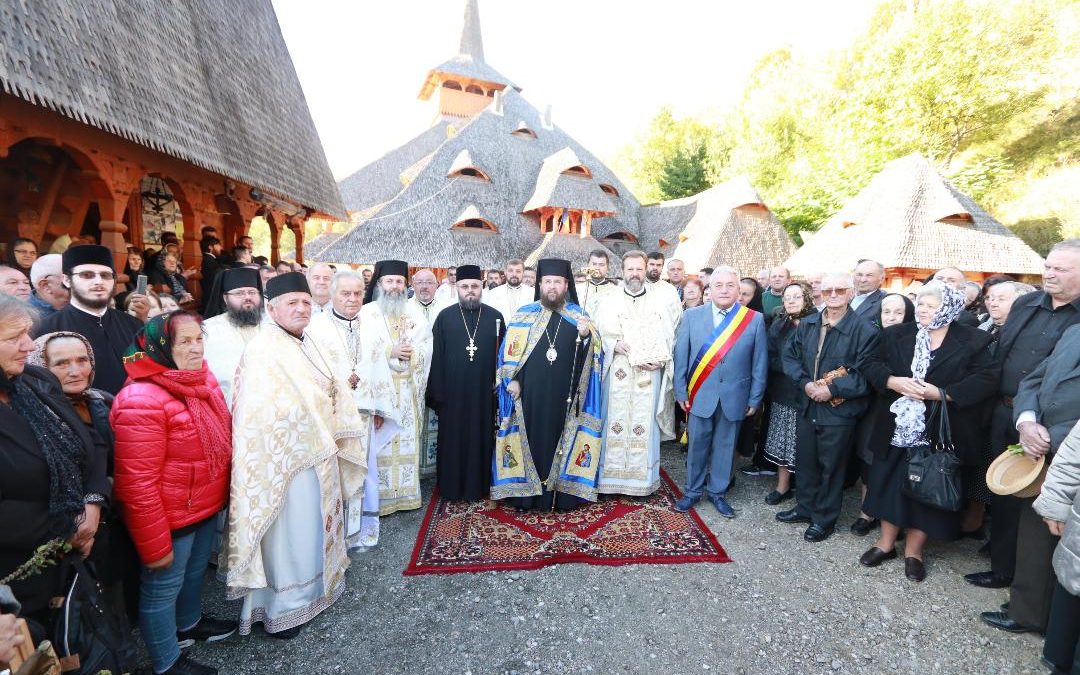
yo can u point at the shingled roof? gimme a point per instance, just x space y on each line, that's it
728 224
418 223
469 62
207 82
910 216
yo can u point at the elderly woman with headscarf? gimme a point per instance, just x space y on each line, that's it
52 474
783 393
173 457
167 277
914 364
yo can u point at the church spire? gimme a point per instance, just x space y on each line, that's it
472 41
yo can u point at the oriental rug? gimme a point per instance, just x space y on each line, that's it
469 537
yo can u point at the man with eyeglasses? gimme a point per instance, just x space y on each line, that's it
90 273
826 357
424 286
234 312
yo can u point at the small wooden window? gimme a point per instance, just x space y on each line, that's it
579 171
610 189
473 89
524 132
471 172
476 224
450 84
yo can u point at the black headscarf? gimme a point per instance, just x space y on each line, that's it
64 454
755 302
12 261
909 307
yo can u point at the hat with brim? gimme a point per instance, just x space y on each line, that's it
1016 474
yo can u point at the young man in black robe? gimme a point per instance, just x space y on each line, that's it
90 273
460 389
548 372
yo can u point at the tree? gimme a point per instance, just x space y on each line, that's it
685 173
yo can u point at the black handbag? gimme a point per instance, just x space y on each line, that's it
934 468
89 634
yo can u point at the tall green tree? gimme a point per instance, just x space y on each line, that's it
685 173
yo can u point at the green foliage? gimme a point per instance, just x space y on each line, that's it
985 89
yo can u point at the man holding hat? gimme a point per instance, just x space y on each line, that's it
234 311
90 273
299 456
549 382
464 356
393 329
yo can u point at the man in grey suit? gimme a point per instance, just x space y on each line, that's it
719 400
868 277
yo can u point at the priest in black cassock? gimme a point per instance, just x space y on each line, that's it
547 449
90 273
461 388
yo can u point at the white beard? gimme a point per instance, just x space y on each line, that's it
391 305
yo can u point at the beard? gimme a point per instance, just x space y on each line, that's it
512 282
245 318
391 304
653 275
469 305
553 304
90 303
634 285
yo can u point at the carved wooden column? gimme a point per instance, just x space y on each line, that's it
296 224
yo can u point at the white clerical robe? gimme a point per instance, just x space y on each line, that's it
344 342
669 298
224 345
399 460
590 294
635 411
429 438
299 455
508 300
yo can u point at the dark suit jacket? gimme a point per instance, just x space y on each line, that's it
849 344
1052 390
870 309
963 366
210 268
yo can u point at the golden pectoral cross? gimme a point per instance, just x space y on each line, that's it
471 349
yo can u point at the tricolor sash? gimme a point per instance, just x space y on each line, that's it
720 342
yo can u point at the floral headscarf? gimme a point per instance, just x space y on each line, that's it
808 302
151 352
911 413
37 357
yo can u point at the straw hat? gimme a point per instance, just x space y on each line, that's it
1016 474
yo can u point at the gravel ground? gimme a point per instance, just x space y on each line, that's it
782 606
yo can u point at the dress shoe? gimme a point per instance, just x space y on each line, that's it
816 533
792 516
208 629
723 507
1005 607
875 556
186 665
287 634
987 580
914 569
686 503
1002 621
775 497
752 470
862 527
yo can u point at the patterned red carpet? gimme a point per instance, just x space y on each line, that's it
467 537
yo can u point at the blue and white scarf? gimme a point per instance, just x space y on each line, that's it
911 413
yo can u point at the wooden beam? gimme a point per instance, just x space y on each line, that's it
48 201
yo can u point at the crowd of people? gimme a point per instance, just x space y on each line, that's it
263 419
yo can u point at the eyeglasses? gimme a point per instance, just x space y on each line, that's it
250 293
89 276
834 291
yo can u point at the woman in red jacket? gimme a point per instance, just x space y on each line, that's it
173 454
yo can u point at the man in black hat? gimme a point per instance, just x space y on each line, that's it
549 380
465 352
234 311
90 274
285 550
397 331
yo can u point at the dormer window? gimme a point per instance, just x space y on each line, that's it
621 236
464 165
579 171
959 219
476 224
523 131
471 172
609 189
450 84
473 89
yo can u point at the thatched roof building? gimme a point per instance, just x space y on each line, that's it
495 179
728 224
913 221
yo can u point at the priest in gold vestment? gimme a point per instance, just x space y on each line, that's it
299 455
394 332
638 340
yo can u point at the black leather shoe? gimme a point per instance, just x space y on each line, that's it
1002 621
792 516
186 665
816 533
774 497
287 634
914 569
1005 607
862 527
875 556
987 580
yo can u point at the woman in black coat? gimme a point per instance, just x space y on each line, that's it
52 474
913 361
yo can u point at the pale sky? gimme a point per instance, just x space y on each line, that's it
605 66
